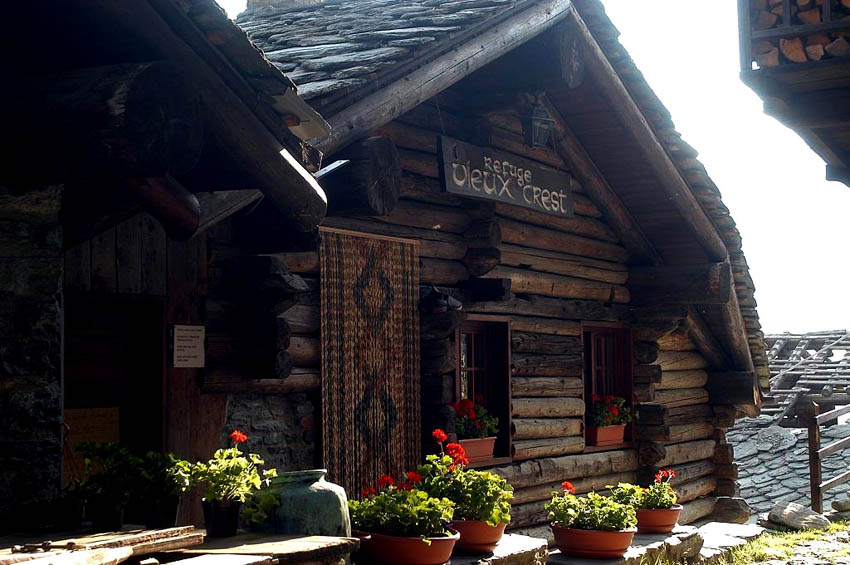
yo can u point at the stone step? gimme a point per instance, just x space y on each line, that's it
513 549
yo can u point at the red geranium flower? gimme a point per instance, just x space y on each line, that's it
614 411
405 485
455 450
367 492
466 408
608 398
568 486
414 477
386 481
238 437
595 398
440 435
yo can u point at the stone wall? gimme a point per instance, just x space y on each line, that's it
280 427
31 263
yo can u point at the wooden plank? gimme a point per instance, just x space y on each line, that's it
103 269
708 283
105 556
677 189
128 255
227 559
372 111
284 548
78 267
218 206
153 256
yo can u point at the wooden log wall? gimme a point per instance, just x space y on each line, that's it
548 275
809 46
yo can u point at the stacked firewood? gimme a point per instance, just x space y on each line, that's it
768 14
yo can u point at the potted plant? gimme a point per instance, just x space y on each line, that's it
593 526
609 415
481 499
231 477
657 511
163 480
109 473
402 525
476 429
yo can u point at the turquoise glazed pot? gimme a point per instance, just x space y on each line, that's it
310 505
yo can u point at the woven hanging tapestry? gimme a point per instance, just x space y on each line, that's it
370 359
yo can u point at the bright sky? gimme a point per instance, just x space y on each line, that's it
794 223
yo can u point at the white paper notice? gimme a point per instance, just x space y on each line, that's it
189 346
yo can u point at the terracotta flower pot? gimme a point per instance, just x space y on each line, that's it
658 521
606 435
593 543
480 449
477 536
378 549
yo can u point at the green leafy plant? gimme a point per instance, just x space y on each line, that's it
591 512
610 411
472 421
657 496
109 472
231 475
260 507
401 510
477 495
164 474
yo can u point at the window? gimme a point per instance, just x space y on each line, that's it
483 372
607 367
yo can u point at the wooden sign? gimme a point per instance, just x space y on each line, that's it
188 346
485 173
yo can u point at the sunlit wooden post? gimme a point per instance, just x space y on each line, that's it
814 458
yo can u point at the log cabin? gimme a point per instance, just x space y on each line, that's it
604 262
130 129
507 163
795 56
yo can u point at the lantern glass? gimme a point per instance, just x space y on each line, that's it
539 127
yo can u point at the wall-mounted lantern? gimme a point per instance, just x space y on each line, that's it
538 126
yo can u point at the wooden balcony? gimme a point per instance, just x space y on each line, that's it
795 54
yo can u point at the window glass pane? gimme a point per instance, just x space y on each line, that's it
464 349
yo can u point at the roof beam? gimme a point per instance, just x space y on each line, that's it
231 113
678 190
706 283
362 117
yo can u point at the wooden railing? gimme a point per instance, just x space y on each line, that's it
831 20
818 453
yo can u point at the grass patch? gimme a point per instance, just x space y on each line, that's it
778 546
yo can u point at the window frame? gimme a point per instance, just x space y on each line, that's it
502 393
624 359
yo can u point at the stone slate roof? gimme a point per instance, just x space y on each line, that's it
330 48
773 462
336 45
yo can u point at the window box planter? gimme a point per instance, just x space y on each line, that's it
477 536
480 449
606 435
595 544
379 549
660 521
